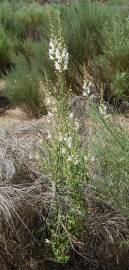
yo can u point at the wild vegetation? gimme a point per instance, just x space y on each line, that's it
64 197
96 37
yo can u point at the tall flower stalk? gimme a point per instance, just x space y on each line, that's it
65 163
57 49
102 106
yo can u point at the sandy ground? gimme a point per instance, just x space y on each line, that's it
12 116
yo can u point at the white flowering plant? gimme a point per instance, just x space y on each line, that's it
65 164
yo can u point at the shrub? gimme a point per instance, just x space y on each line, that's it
109 163
30 21
6 14
83 32
37 52
23 88
116 50
83 35
97 36
6 49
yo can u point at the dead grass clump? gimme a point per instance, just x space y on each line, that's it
108 232
19 171
23 198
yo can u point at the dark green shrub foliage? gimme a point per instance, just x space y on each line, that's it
96 36
6 49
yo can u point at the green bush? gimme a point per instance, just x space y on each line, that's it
21 18
109 163
97 36
23 26
6 49
23 88
116 50
37 52
83 24
6 14
30 21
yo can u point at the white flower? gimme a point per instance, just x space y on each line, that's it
69 142
52 48
71 115
93 159
63 150
51 57
59 53
76 162
102 109
69 158
51 52
50 114
51 44
84 94
59 60
66 60
90 84
47 241
88 90
64 53
60 138
49 136
58 66
76 125
48 120
65 67
84 86
37 156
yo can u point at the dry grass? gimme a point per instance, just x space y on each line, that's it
23 196
25 202
19 171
